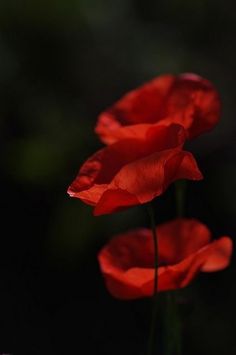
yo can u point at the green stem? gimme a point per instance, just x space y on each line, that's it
173 326
173 321
155 246
152 336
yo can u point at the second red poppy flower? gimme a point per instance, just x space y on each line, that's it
134 171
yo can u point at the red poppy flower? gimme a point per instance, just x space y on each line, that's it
134 171
186 99
185 249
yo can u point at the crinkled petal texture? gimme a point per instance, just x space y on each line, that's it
186 99
134 171
185 249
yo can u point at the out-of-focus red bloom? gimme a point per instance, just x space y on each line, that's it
186 99
185 249
134 171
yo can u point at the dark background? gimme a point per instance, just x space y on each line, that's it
61 63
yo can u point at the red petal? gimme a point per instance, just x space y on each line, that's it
219 254
179 238
203 103
148 178
114 201
213 257
186 99
122 253
84 186
141 105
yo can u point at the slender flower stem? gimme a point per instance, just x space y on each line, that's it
152 336
173 321
155 246
173 345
